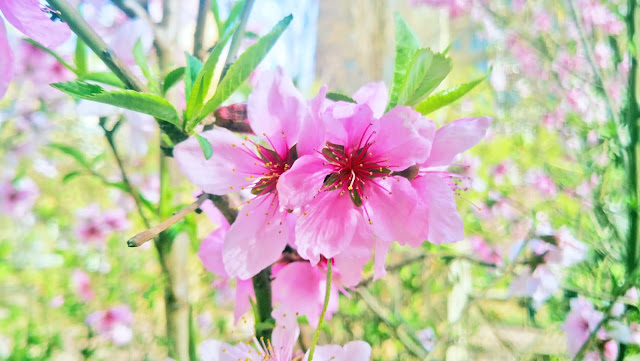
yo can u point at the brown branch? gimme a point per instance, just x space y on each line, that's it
152 232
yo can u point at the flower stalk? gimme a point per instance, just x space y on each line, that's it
327 295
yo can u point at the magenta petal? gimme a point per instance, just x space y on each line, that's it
402 139
301 183
6 61
395 215
300 287
312 133
31 20
445 224
327 227
227 171
275 108
256 239
456 137
375 95
244 292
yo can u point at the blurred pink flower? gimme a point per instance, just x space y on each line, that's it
581 321
28 17
568 251
282 118
113 324
81 284
17 197
603 55
483 251
93 225
542 21
427 338
57 301
595 13
455 7
540 285
280 348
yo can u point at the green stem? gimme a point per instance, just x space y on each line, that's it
327 295
262 290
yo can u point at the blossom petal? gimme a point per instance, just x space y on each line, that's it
356 351
300 287
312 133
375 95
210 252
210 350
256 239
228 169
244 292
349 124
301 183
6 61
395 215
456 137
445 224
274 110
403 138
285 333
350 262
327 227
32 21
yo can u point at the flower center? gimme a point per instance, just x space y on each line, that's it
352 170
274 165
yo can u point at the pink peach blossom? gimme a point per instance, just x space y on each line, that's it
17 197
81 284
281 119
113 324
581 321
28 17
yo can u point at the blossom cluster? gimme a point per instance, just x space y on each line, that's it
327 180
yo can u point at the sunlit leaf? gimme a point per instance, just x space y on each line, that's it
406 45
447 96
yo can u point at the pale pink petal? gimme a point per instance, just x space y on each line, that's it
214 214
396 215
349 124
403 138
375 95
301 183
32 21
456 137
210 252
350 262
256 239
285 333
121 334
6 61
228 169
356 351
244 292
275 108
210 350
312 133
445 224
380 258
327 227
326 353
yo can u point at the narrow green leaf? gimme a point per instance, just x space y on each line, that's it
234 16
80 57
203 81
54 54
406 45
141 60
339 97
71 151
425 72
190 74
447 96
106 77
205 145
69 176
172 78
216 16
242 68
151 104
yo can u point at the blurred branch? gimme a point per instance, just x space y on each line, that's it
152 232
201 24
109 133
84 31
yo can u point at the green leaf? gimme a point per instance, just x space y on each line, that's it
203 81
141 60
73 152
54 54
242 68
106 77
190 74
406 45
151 104
339 97
234 16
425 72
447 96
69 176
172 78
80 57
216 16
205 145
